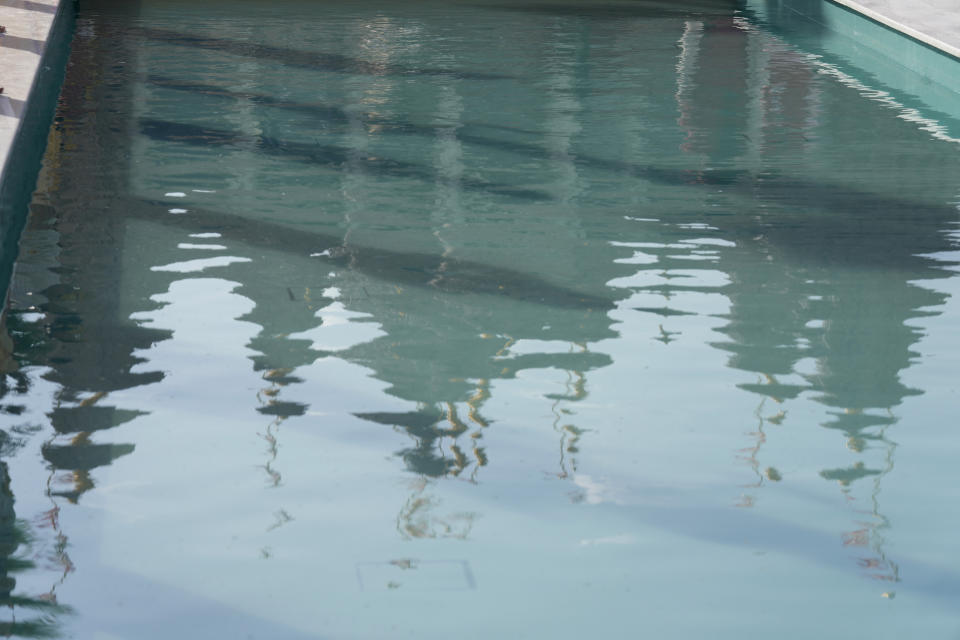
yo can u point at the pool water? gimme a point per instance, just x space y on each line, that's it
480 319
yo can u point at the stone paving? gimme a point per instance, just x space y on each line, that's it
27 25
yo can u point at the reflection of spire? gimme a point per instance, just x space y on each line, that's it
752 454
270 402
419 518
881 567
870 534
272 405
575 390
37 615
58 554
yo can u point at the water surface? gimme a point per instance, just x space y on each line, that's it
473 319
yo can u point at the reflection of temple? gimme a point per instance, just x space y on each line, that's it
820 269
422 287
449 307
446 302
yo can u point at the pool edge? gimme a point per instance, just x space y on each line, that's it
22 152
896 25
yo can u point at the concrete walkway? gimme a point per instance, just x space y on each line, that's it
28 24
934 22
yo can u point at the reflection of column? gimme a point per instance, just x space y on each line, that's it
565 60
558 72
716 91
725 108
245 117
689 44
821 269
447 210
865 343
722 109
367 103
759 72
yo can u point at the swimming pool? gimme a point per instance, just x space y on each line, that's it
540 319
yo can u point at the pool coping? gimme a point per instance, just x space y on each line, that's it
30 25
900 25
33 57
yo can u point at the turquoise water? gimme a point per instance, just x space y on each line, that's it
479 319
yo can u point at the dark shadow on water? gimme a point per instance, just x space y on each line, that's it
751 529
327 156
767 186
423 270
635 9
326 112
336 115
314 61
